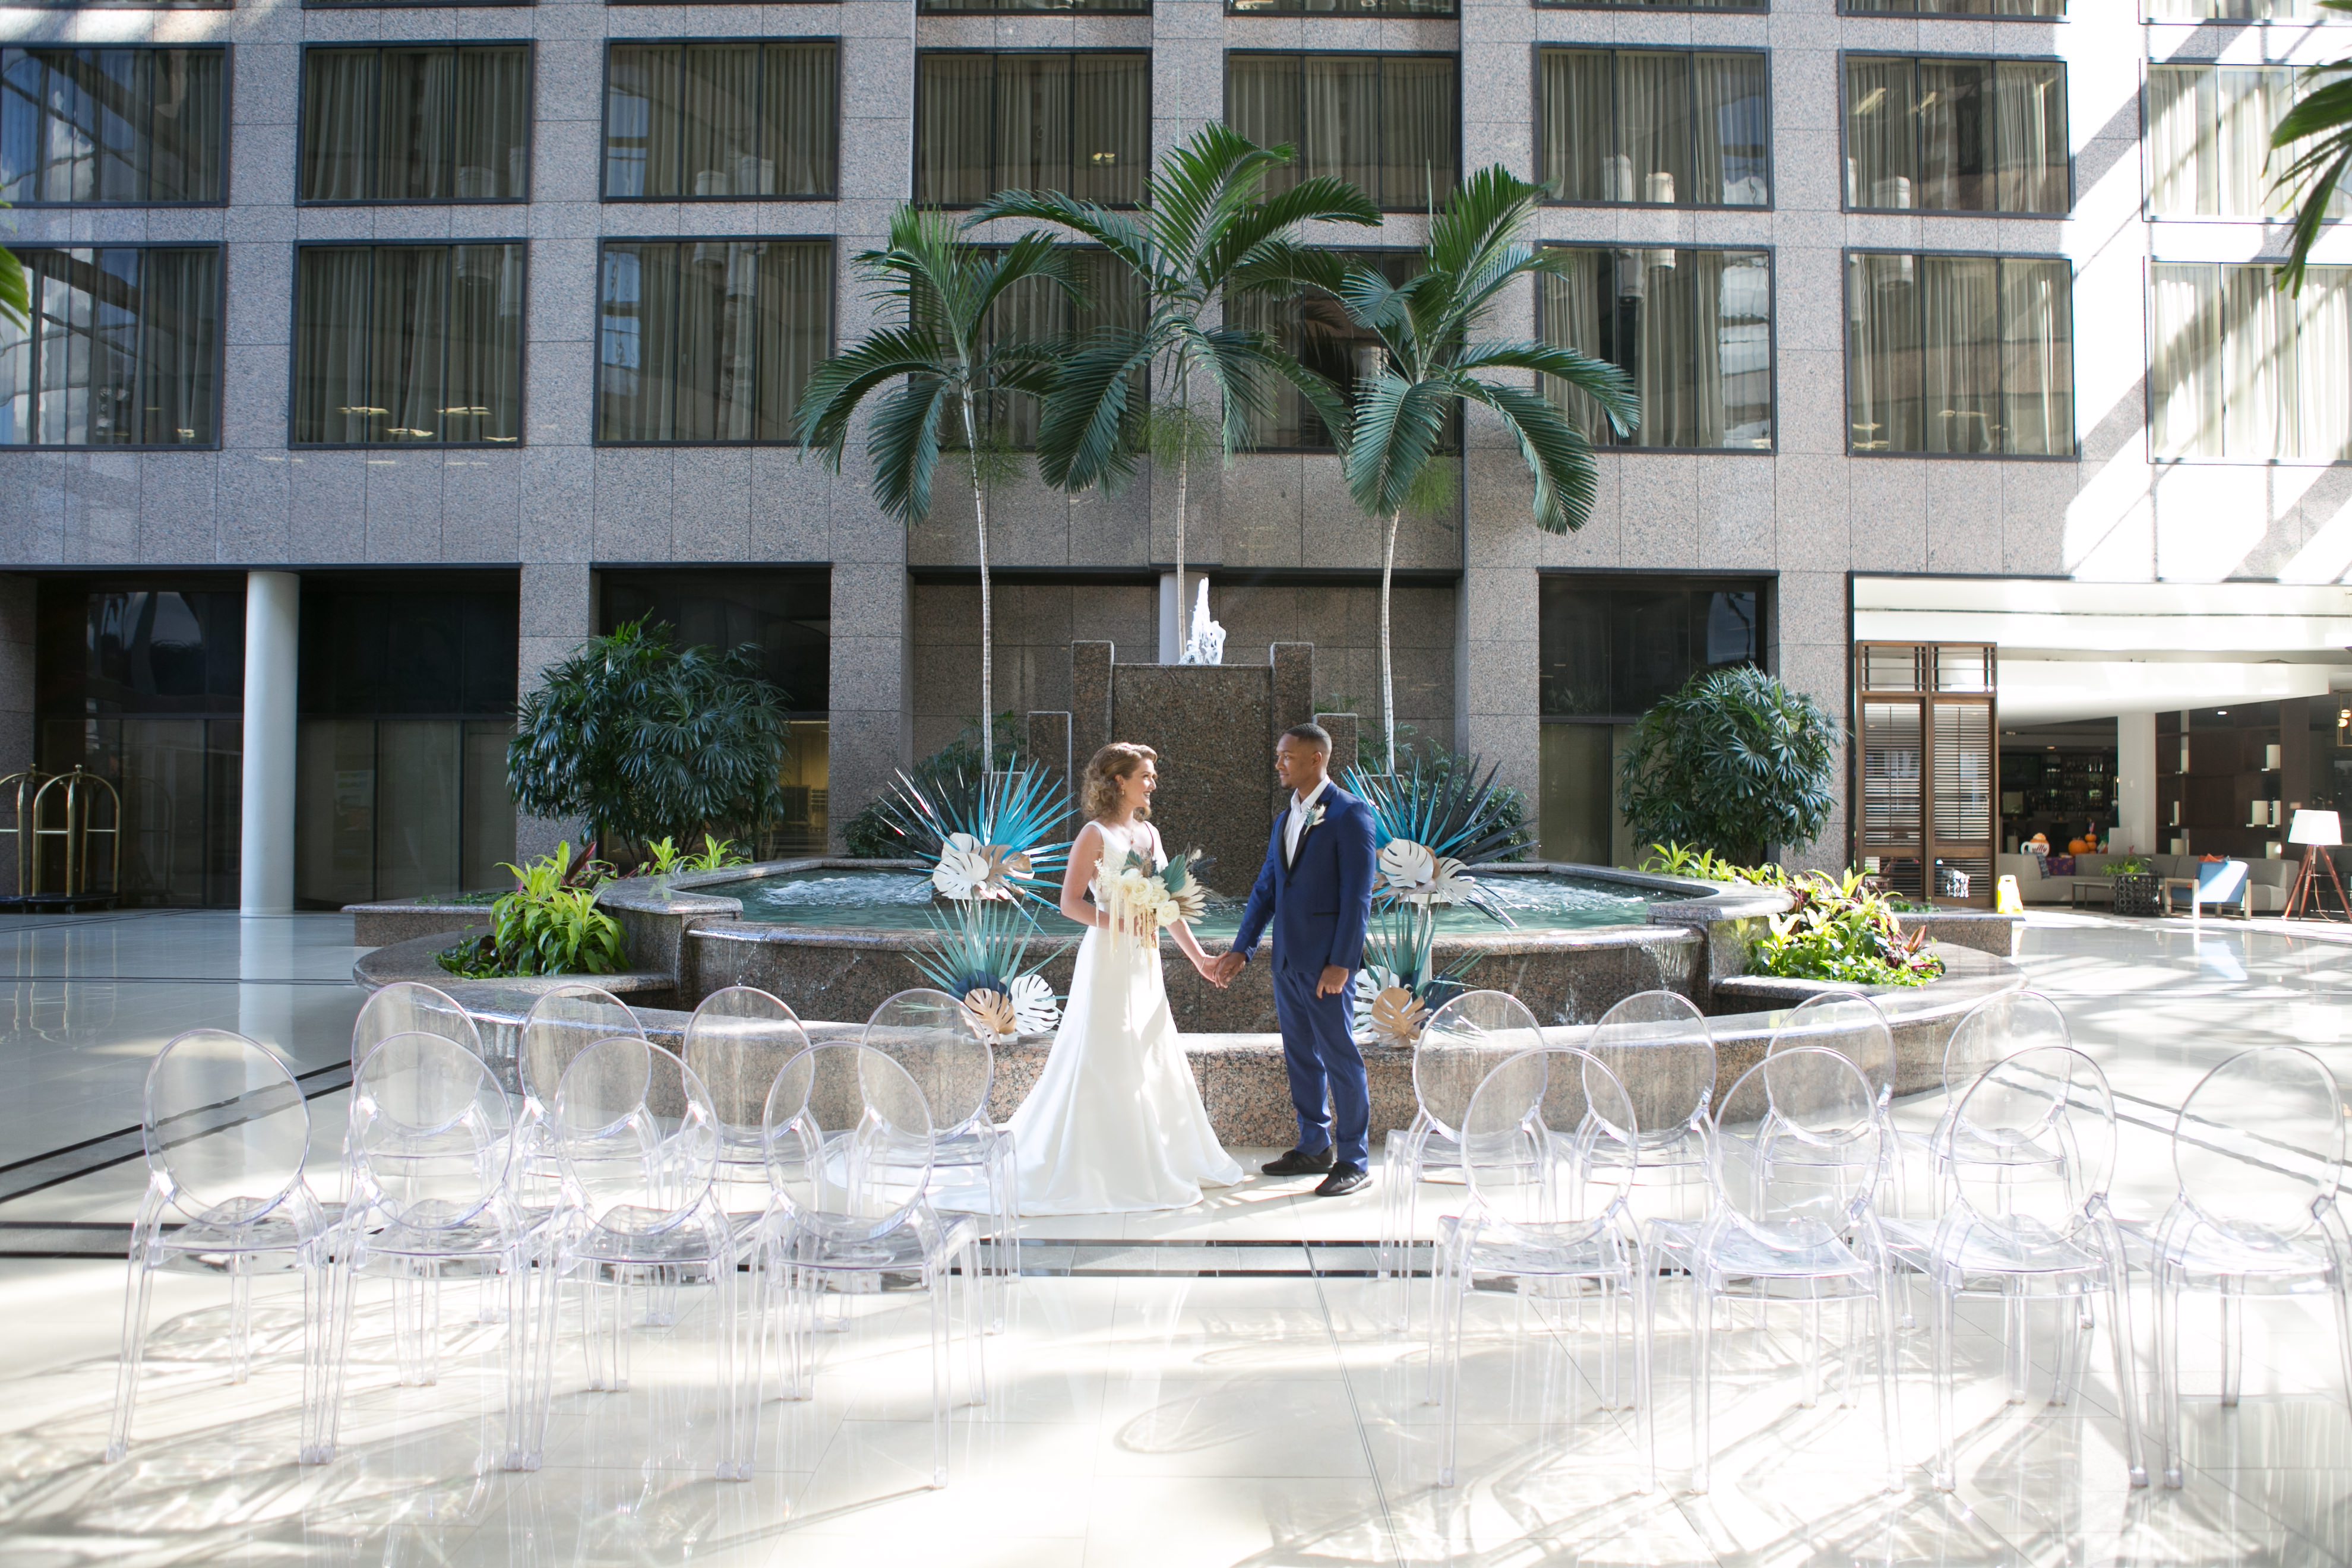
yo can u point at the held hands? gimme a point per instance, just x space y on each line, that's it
1219 971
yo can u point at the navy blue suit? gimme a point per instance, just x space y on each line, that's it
1318 904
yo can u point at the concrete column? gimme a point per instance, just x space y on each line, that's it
273 622
2136 827
1174 617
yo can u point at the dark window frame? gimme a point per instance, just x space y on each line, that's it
1766 584
596 392
1019 8
1302 56
915 115
1380 12
220 352
522 348
227 52
1845 356
530 48
604 113
2066 91
1771 347
1536 125
1685 8
2320 16
1847 8
417 6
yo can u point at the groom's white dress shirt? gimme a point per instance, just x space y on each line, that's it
1301 808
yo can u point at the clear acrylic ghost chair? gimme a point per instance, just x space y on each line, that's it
1663 1052
1992 1031
636 1138
1549 1152
737 1042
2259 1153
847 1132
565 1021
410 1007
1795 1152
931 1035
2028 1226
1851 1024
1464 1040
226 1135
425 1159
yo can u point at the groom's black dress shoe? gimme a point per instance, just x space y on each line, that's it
1344 1179
1299 1163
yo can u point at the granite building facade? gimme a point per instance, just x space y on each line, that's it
484 323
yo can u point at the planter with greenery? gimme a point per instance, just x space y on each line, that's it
1735 763
645 741
1843 928
549 925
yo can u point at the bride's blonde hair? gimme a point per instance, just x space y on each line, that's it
1098 792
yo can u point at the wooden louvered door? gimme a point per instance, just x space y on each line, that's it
1928 768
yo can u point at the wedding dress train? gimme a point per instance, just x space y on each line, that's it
1115 1124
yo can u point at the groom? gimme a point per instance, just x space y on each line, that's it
1316 889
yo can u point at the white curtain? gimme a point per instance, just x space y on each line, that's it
1573 312
416 115
1729 130
638 347
1653 129
408 340
796 329
179 348
1110 142
1882 153
1960 371
1576 141
185 127
2037 346
339 124
1032 124
1956 124
1418 120
331 401
953 113
1262 102
491 137
2185 379
2245 372
643 103
1340 131
721 120
718 340
1883 353
2030 136
484 344
800 111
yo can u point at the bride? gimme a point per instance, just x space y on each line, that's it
1115 1124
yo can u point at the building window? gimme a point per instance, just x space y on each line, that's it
416 124
2241 11
1341 8
1077 123
2246 372
1031 7
2209 142
1960 354
413 344
721 121
1312 326
1653 5
1999 10
710 340
122 350
1036 310
407 701
112 127
1937 133
1653 127
1388 124
1693 328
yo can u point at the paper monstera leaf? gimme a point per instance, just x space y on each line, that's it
1398 1017
992 1015
1414 874
1033 1008
970 870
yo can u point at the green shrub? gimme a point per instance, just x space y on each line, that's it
549 925
1843 928
1733 763
872 834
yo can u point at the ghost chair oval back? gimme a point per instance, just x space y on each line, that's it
2027 1219
636 1138
945 1049
1852 1024
412 1007
2258 1150
1991 1032
1796 1150
228 1136
1663 1051
1463 1041
848 1140
426 1160
736 1043
1550 1146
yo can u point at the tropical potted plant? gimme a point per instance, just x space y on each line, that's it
1735 763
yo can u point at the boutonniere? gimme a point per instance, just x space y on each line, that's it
1314 817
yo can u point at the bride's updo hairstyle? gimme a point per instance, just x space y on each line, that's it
1098 792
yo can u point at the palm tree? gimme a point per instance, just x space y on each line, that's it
16 288
1205 236
1430 362
2322 120
948 364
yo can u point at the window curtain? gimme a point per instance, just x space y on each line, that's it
642 105
710 340
1883 353
492 130
2037 371
1882 151
2030 124
1340 131
801 115
952 119
133 125
1418 122
722 117
637 350
408 340
179 347
120 350
331 346
1691 326
2242 371
1653 129
1959 348
1727 119
416 112
339 124
1263 102
1680 371
185 128
1574 310
795 331
2209 142
485 400
1032 122
1955 125
718 340
1112 119
1578 148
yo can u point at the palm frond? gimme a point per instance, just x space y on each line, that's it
829 399
1451 811
903 441
1081 435
1397 424
978 944
2322 120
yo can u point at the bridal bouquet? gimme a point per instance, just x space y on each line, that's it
1141 901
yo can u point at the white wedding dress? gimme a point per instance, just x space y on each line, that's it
1115 1124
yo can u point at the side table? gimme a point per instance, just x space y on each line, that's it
2135 892
2098 886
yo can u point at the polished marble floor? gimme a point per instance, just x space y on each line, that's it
1212 1387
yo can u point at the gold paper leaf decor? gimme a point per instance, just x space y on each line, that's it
1397 1016
992 1015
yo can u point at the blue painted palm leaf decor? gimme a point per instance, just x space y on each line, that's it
979 955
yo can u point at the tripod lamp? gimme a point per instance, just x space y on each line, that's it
2317 831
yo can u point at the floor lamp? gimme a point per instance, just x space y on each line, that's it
2317 832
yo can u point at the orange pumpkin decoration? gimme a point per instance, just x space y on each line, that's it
2078 847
